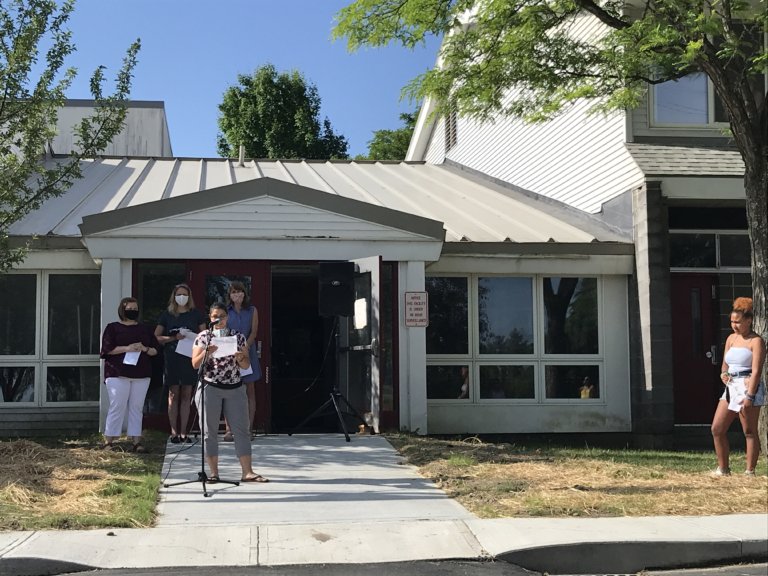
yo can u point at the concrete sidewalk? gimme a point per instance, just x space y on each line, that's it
335 502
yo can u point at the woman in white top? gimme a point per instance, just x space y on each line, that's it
745 392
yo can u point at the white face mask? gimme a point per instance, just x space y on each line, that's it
182 299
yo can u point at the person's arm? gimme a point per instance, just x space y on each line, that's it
162 337
242 358
724 376
758 359
254 328
199 348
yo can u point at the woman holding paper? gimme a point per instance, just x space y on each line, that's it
224 391
126 347
180 320
244 318
745 391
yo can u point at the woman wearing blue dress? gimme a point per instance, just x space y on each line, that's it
244 318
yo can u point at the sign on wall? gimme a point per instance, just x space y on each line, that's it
416 309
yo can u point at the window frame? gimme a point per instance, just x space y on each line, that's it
539 358
718 266
41 360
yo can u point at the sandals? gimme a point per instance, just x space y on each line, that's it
175 439
139 448
257 478
213 479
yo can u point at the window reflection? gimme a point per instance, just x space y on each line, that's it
72 384
448 382
17 315
505 315
571 316
507 382
570 381
74 302
447 332
692 251
17 384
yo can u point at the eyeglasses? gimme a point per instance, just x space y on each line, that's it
218 316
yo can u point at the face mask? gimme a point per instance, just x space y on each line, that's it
131 314
182 299
236 297
220 332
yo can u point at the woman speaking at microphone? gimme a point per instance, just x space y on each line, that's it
224 390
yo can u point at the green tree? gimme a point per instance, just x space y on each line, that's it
276 115
33 92
391 144
529 45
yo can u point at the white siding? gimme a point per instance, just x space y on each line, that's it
145 132
577 158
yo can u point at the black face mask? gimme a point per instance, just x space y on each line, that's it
131 314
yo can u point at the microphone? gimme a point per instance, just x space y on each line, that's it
214 322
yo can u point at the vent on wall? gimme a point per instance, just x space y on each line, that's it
451 136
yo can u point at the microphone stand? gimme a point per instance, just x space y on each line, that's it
202 476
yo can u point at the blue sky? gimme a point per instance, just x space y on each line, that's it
192 50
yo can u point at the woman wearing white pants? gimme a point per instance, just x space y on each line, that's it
126 347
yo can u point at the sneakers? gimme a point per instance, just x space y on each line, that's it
749 472
721 472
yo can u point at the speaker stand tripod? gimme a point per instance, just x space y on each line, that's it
202 476
336 398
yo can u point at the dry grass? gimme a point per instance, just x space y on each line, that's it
63 487
500 480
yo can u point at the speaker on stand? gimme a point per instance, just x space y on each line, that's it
336 298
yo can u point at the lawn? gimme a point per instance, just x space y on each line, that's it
71 484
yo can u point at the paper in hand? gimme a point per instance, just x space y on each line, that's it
225 346
131 358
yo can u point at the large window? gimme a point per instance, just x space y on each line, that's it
513 338
49 338
709 250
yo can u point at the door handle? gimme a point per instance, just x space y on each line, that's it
712 354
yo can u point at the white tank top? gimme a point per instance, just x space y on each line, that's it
738 359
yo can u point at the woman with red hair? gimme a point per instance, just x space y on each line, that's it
745 391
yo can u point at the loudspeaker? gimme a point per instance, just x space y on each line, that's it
336 289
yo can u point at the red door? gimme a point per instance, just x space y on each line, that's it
695 348
209 280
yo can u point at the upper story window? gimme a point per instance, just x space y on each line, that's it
689 101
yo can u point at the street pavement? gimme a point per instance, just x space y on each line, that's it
330 502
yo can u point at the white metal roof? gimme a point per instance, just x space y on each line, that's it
471 209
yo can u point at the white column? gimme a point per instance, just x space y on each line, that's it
115 285
413 355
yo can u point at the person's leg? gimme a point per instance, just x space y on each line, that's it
173 408
720 424
138 392
118 390
236 411
250 390
749 418
209 423
185 401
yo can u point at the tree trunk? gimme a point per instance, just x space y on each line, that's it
756 187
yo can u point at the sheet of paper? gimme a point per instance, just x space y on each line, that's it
131 358
188 334
184 347
226 346
737 392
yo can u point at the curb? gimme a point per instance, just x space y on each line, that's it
633 557
39 567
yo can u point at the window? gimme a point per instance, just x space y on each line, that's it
505 307
570 307
513 338
687 101
448 331
49 337
18 293
709 250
